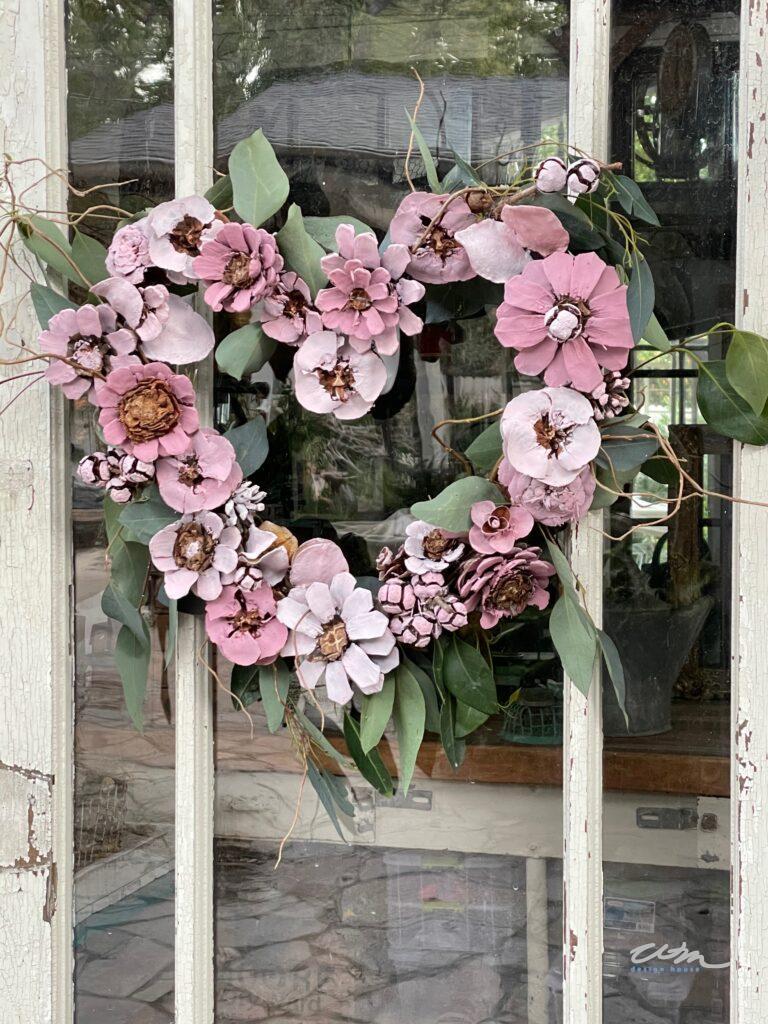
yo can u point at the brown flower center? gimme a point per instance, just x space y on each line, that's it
189 472
513 591
194 547
435 544
185 237
359 300
338 382
440 241
238 270
333 641
550 436
247 620
498 520
295 304
149 410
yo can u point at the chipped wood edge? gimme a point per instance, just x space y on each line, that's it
588 120
749 650
194 972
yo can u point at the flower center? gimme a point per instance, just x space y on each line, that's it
149 410
359 300
435 544
189 472
88 353
333 641
185 237
513 591
238 270
247 620
498 520
194 547
295 304
338 382
441 243
550 436
566 320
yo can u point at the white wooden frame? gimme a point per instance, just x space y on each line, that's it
36 688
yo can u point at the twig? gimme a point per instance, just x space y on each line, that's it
406 168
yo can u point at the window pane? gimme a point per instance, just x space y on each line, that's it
447 907
668 584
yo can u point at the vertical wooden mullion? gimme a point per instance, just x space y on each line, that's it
194 998
749 648
588 119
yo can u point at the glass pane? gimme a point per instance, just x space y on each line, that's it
447 906
120 124
668 584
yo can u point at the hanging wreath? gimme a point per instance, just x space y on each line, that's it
555 259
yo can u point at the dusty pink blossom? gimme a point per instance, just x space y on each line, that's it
240 266
121 475
203 477
550 175
496 528
420 610
499 249
261 557
502 586
429 549
128 255
552 506
288 314
567 317
148 410
91 341
193 553
244 625
550 434
176 231
331 376
370 297
610 397
440 257
338 637
317 561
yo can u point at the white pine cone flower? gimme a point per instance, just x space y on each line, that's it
550 175
121 475
247 499
610 398
583 177
94 469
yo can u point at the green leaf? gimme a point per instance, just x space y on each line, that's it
323 229
468 172
575 641
612 660
726 411
632 200
438 662
376 713
467 719
321 741
173 629
450 509
461 300
370 765
564 571
468 676
132 661
274 681
259 184
47 302
661 470
319 782
746 365
244 351
146 518
430 169
641 296
244 684
89 254
428 690
410 718
655 335
116 605
46 240
454 748
624 449
301 252
250 443
220 193
485 451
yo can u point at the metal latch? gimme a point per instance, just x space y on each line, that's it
678 819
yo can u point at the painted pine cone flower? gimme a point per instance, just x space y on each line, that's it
203 477
551 506
419 612
128 255
92 342
550 434
338 638
147 410
331 376
582 177
429 549
369 299
502 586
439 258
244 625
246 500
261 557
193 553
567 317
550 175
497 528
610 398
499 249
240 266
176 231
390 565
121 475
288 313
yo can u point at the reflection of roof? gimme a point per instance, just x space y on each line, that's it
353 112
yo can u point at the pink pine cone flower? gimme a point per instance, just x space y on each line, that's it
369 299
240 266
550 434
551 506
203 477
193 553
244 626
422 609
496 528
331 376
147 410
128 255
499 249
428 549
502 586
287 314
567 317
317 561
261 557
440 258
337 637
120 474
176 231
92 341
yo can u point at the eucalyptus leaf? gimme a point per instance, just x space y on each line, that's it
641 296
410 718
244 685
615 668
725 410
376 711
468 172
116 605
244 351
461 300
430 168
89 254
274 682
132 661
655 335
450 508
323 229
146 518
454 748
321 740
259 184
468 676
47 302
48 243
319 782
129 559
250 443
746 366
575 641
468 719
564 571
486 449
301 252
625 448
220 193
370 765
429 692
631 198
